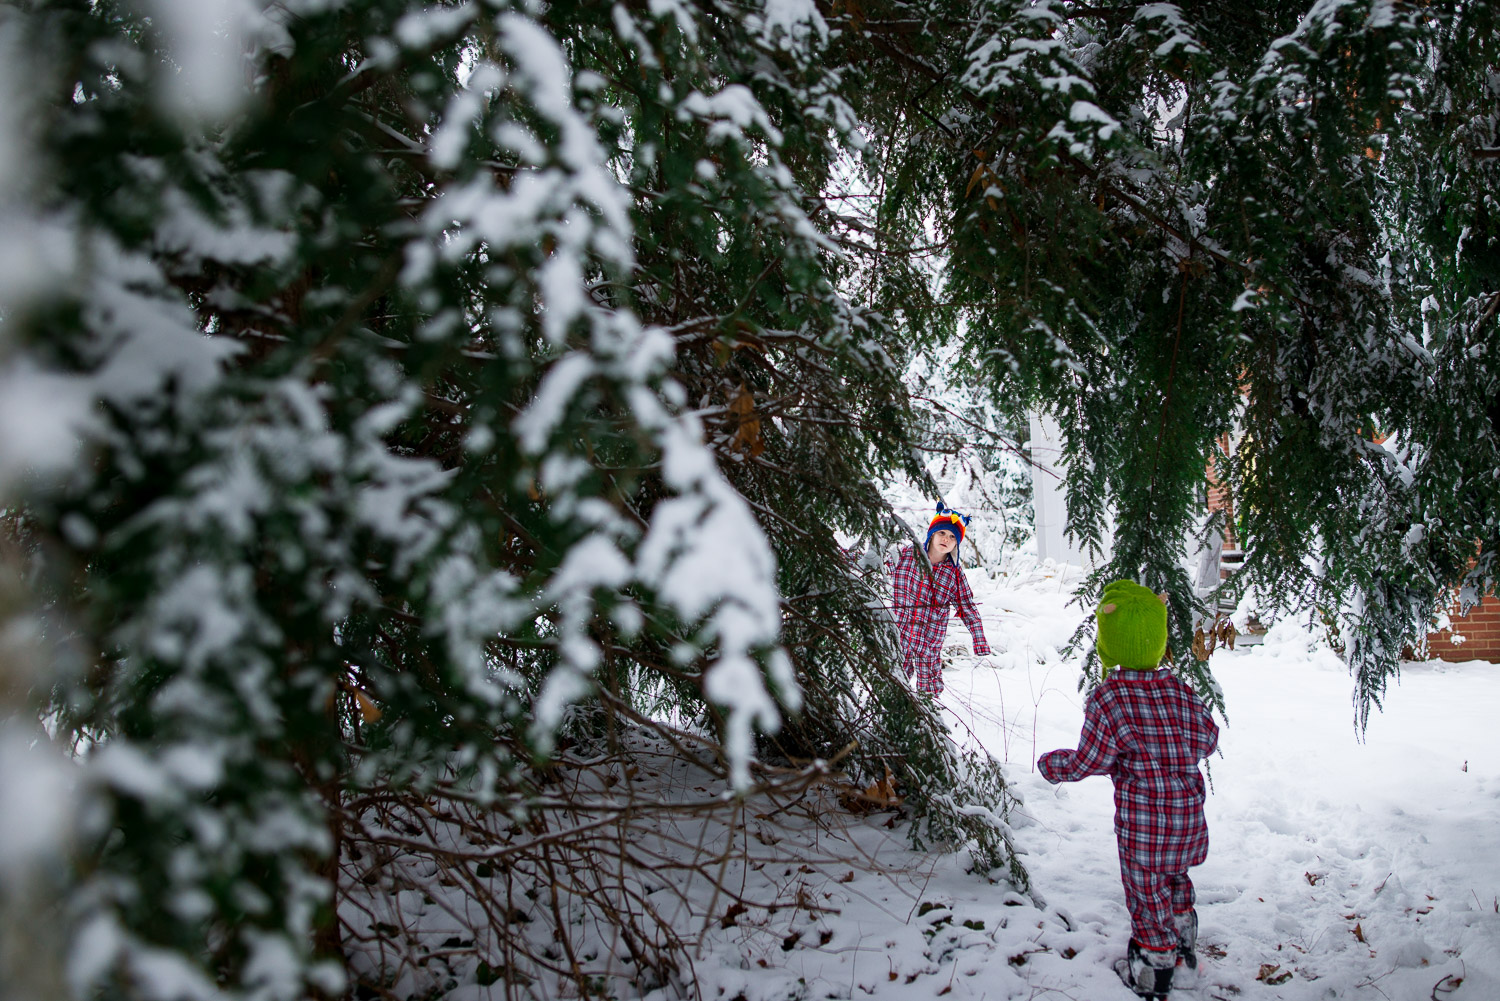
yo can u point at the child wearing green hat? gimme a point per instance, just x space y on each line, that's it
1147 731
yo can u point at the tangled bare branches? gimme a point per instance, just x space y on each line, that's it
620 867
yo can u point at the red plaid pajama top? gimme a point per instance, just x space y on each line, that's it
922 608
1147 731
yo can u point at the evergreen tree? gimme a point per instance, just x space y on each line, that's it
425 385
1173 224
392 391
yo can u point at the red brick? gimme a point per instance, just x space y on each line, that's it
1480 629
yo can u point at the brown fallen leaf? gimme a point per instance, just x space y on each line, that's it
974 179
1273 974
878 795
735 910
747 424
368 710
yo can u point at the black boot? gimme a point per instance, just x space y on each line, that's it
1187 938
1148 972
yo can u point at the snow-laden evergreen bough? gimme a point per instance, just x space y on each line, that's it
392 396
396 396
1184 227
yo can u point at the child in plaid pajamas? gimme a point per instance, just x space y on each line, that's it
923 604
1147 731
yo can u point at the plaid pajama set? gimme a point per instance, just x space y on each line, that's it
922 609
1147 731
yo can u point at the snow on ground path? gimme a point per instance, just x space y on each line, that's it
1338 869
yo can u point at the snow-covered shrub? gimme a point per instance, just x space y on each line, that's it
392 393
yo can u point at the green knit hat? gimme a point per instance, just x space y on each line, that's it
1132 627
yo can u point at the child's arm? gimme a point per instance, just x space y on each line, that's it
970 615
1095 754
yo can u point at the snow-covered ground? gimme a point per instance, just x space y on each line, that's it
1338 869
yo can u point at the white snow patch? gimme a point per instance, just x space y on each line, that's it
36 800
1089 112
206 40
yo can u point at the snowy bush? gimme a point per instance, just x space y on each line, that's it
392 397
396 398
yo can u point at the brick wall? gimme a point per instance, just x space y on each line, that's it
1220 499
1480 630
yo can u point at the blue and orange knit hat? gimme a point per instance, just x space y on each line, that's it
948 520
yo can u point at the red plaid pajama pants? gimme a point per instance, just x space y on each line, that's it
1153 900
